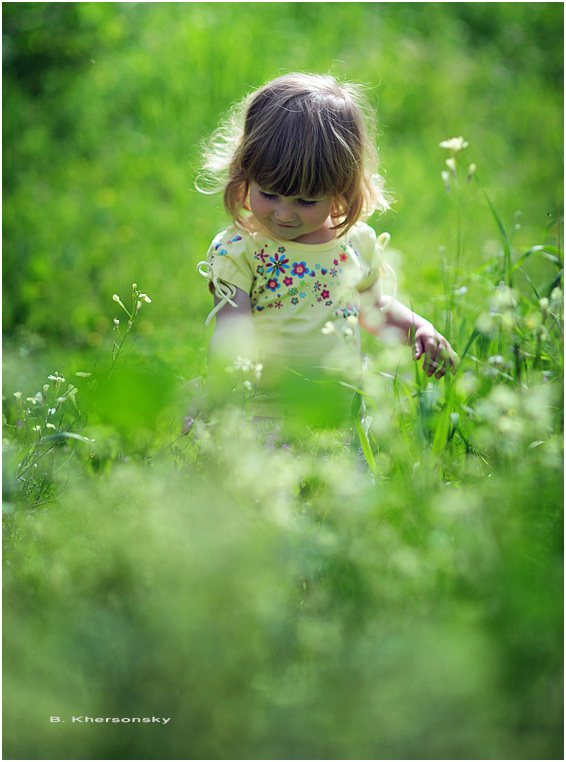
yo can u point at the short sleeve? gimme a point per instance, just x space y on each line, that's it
230 256
369 249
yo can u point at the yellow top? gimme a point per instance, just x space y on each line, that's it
301 298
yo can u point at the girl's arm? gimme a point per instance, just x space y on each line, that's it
232 338
427 342
233 334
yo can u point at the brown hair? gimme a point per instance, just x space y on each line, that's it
300 135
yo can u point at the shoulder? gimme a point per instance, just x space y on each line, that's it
362 234
231 241
362 237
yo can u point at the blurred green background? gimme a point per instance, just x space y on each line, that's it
279 604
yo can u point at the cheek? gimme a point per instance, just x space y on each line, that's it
259 206
317 216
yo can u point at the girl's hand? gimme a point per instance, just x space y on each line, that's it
437 352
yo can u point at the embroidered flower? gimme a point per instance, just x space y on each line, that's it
335 261
334 272
293 291
236 238
312 273
328 303
317 286
294 300
272 284
288 281
302 294
300 269
279 265
264 256
278 304
325 294
281 249
260 269
343 257
323 271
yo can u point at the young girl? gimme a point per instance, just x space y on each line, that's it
298 272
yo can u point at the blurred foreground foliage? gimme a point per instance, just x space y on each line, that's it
393 593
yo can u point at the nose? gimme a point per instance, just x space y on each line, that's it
284 212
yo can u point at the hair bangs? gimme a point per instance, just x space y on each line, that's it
298 154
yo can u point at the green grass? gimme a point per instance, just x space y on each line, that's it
387 591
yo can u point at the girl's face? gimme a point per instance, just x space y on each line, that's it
290 218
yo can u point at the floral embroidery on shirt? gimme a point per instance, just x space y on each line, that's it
300 269
293 285
278 266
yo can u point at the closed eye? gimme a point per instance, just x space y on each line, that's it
305 202
268 195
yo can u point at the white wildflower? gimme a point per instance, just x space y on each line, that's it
544 304
134 286
145 298
454 144
248 385
446 178
451 164
329 328
352 321
56 378
496 360
50 426
38 429
117 299
556 297
348 333
461 291
18 396
83 374
471 169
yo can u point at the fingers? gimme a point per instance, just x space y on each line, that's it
433 356
438 357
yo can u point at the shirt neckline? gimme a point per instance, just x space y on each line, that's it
326 246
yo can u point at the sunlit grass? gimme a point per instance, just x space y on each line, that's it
386 589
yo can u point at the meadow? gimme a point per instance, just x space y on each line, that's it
391 594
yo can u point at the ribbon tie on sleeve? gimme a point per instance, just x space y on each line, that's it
224 291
